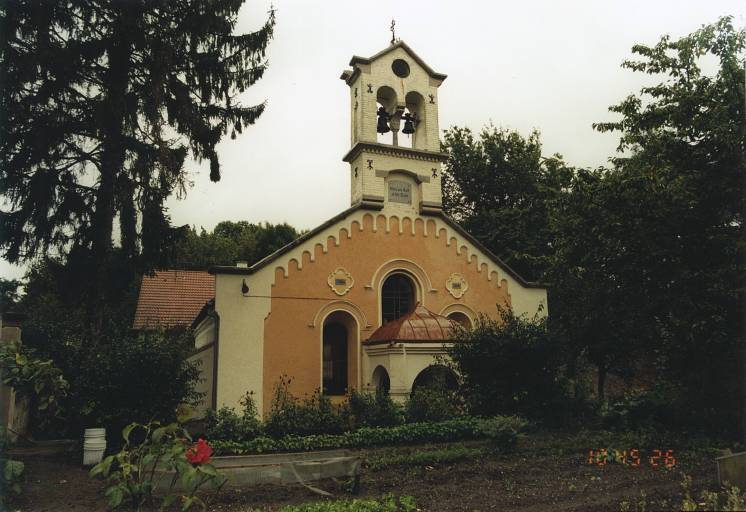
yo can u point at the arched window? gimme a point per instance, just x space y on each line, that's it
461 319
436 376
381 380
335 359
397 297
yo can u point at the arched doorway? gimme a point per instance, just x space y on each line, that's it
381 380
339 354
397 297
436 376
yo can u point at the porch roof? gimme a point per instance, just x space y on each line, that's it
419 325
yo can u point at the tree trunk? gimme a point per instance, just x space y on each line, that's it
601 394
111 121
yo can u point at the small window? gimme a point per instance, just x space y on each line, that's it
397 297
400 68
335 359
460 318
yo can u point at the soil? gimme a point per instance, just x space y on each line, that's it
547 471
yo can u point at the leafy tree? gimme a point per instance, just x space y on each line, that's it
229 242
682 143
500 188
101 104
511 366
9 294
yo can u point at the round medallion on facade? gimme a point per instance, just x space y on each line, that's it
340 281
457 285
400 68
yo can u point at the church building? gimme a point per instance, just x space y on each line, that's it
369 298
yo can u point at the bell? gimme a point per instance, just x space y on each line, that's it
408 124
383 121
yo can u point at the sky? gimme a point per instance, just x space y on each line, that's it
548 65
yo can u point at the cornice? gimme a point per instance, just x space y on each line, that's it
386 149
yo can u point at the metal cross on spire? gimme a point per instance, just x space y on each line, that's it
393 31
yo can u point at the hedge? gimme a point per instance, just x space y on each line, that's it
502 431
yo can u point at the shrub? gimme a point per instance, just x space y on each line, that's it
649 408
502 431
432 403
132 473
374 410
36 378
411 433
11 473
312 415
424 457
227 425
510 367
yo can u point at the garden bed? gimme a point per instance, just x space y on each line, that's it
547 471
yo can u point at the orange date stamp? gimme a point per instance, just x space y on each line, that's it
633 458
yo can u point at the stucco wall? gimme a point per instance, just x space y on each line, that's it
206 359
370 248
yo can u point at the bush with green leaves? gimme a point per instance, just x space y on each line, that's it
511 366
290 415
37 378
11 472
374 409
432 403
227 425
160 456
502 431
639 409
388 503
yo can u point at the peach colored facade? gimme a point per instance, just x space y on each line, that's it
269 319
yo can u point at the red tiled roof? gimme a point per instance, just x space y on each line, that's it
172 298
420 324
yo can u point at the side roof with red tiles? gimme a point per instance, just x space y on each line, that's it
172 298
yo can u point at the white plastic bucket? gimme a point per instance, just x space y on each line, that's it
94 445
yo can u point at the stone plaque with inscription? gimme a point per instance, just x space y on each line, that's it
400 192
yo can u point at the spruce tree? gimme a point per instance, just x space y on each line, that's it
101 104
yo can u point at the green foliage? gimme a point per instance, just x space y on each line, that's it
374 409
168 78
135 473
11 477
432 403
649 408
424 457
316 414
411 433
36 378
729 499
500 188
502 431
229 242
227 425
388 503
510 367
9 295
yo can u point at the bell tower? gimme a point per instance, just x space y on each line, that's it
395 159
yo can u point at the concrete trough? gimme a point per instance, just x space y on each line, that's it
281 468
732 469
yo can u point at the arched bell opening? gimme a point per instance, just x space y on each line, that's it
437 376
339 354
413 130
380 380
385 115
